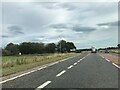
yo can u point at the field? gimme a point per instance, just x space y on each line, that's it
14 64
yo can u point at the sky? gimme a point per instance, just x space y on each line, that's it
85 24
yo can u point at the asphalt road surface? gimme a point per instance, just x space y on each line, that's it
88 70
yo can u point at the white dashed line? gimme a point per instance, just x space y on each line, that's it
43 85
115 65
70 66
74 63
60 73
35 70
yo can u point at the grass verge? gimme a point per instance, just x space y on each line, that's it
15 64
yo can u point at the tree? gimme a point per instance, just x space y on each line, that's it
64 46
12 49
5 52
61 47
50 48
31 48
118 45
69 46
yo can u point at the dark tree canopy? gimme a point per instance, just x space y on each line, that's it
31 48
37 48
118 45
50 48
11 49
64 46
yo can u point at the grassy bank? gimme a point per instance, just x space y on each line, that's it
14 64
115 51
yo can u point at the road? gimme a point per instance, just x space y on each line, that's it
83 71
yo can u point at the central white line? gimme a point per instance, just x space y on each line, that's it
70 66
60 73
44 84
75 63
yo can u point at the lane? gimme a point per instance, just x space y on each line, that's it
92 72
38 78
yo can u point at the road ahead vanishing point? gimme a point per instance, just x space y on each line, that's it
88 70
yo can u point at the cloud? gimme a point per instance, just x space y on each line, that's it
58 5
116 23
59 26
5 36
45 22
85 29
17 30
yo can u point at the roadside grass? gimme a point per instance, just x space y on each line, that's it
15 64
115 51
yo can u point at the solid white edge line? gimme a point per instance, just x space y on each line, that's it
34 70
59 74
70 66
109 61
44 84
116 65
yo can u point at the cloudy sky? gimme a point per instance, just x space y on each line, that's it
84 23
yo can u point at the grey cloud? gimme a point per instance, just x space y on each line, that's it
77 28
59 30
58 26
15 29
67 6
116 23
5 36
55 5
83 29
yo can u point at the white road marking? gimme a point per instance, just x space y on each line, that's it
22 75
83 57
70 66
60 73
42 68
35 70
74 63
108 60
17 76
116 65
44 84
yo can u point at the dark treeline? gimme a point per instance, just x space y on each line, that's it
110 48
37 48
80 50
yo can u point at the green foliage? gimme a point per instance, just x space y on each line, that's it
118 45
5 52
37 48
50 48
64 46
31 48
10 49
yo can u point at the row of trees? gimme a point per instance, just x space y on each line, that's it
38 48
